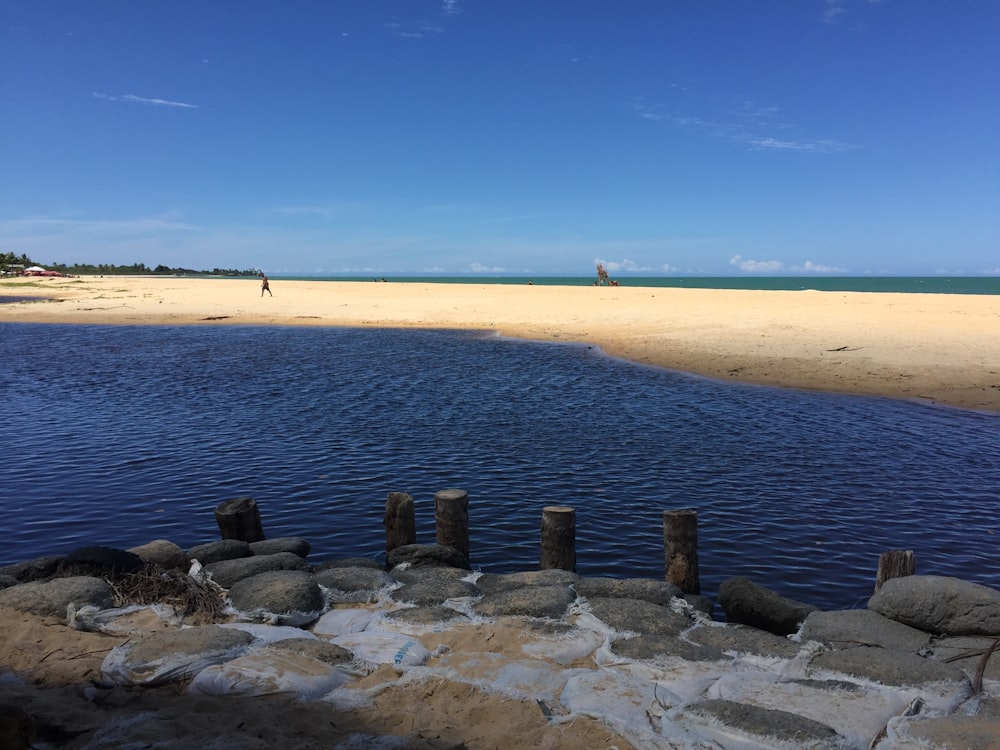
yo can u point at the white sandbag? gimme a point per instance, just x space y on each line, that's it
565 649
521 678
269 633
269 673
342 621
384 647
858 713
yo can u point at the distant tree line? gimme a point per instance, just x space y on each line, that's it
12 262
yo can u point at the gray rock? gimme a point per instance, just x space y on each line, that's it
425 615
50 598
656 647
647 589
100 561
224 549
7 581
743 640
164 553
432 592
492 583
966 652
294 544
853 627
350 562
638 616
887 666
281 592
940 604
33 570
955 732
314 648
767 723
427 554
227 572
748 603
527 601
429 573
353 584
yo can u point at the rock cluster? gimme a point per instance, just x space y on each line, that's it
911 670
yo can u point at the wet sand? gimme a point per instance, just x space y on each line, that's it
937 348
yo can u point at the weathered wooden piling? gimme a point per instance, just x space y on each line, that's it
400 523
680 548
451 518
239 518
558 538
894 564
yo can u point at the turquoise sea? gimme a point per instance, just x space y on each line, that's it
900 284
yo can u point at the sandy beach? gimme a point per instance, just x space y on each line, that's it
936 348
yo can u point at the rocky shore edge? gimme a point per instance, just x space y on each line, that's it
913 669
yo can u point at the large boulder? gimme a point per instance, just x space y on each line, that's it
294 544
224 549
638 616
227 572
940 604
100 561
163 553
286 596
349 584
649 589
850 627
33 570
51 598
426 554
749 603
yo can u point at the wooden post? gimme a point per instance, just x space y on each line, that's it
400 526
239 519
894 564
451 518
680 547
558 538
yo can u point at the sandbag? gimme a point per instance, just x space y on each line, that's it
384 647
270 673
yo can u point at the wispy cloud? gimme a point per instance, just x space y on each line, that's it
622 265
449 8
480 268
749 123
834 8
133 99
748 265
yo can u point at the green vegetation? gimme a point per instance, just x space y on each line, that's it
12 263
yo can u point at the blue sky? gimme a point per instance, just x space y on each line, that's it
504 137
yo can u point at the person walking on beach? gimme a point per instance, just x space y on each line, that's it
264 286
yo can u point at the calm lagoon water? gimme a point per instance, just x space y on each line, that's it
119 435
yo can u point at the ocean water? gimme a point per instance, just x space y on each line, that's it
118 435
899 284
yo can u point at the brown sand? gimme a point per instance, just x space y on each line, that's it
58 664
939 348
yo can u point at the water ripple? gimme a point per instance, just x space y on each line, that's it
132 433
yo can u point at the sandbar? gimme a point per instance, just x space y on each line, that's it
936 348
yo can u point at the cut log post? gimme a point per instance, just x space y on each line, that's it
558 538
680 547
894 564
451 519
239 519
400 524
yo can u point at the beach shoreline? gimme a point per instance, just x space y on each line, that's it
933 348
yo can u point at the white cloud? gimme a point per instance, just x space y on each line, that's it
667 268
480 268
449 8
132 98
623 265
811 267
756 266
834 8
